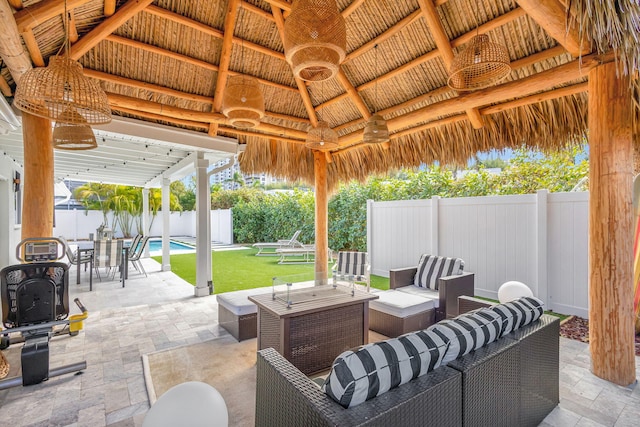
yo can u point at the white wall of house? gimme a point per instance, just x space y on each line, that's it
10 229
78 224
538 239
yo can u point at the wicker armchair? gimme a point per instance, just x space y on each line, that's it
449 289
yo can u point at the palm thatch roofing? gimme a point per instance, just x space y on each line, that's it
166 61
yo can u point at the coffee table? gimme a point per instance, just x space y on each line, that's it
315 326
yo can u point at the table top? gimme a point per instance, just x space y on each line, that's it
86 245
308 300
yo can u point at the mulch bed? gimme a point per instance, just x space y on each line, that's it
577 328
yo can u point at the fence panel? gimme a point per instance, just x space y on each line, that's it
538 239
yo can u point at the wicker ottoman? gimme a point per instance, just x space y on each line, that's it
396 313
237 314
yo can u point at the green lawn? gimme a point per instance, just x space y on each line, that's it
241 269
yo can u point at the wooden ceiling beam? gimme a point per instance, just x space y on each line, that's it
109 7
225 53
106 27
73 30
4 87
160 51
355 4
151 116
256 10
11 50
16 4
34 15
408 20
539 82
279 4
137 84
430 14
353 94
302 87
32 46
551 15
123 101
243 132
214 32
488 26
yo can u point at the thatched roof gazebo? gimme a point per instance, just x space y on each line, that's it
574 74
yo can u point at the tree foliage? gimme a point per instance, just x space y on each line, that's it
262 218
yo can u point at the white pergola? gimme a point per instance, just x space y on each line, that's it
136 153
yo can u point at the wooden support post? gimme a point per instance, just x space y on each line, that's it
322 217
610 227
38 195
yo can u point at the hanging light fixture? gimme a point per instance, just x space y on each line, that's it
481 64
243 102
376 130
322 137
49 92
68 134
315 39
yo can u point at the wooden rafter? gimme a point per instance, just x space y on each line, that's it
551 15
31 16
430 15
73 30
12 51
184 58
256 10
109 7
117 100
408 20
106 27
302 88
488 26
560 75
99 75
225 59
16 4
353 94
4 87
151 116
214 32
32 46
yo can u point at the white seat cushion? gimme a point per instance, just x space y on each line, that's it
401 304
238 302
422 293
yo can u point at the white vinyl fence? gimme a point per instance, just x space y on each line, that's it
538 239
78 224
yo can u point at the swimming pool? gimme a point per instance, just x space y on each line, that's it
155 247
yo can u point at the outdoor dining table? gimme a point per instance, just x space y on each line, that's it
87 247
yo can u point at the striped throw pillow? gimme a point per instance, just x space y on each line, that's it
431 268
518 313
371 370
468 332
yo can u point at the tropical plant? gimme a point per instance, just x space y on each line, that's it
94 196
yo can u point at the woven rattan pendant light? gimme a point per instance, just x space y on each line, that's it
243 101
376 130
322 137
49 92
315 39
69 135
481 64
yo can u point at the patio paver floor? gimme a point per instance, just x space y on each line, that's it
160 312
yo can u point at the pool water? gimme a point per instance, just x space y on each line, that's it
156 246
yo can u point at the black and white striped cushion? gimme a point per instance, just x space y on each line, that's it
468 332
431 268
373 369
518 313
351 264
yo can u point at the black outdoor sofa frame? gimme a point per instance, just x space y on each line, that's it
449 289
512 381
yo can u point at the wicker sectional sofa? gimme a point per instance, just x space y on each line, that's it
511 381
